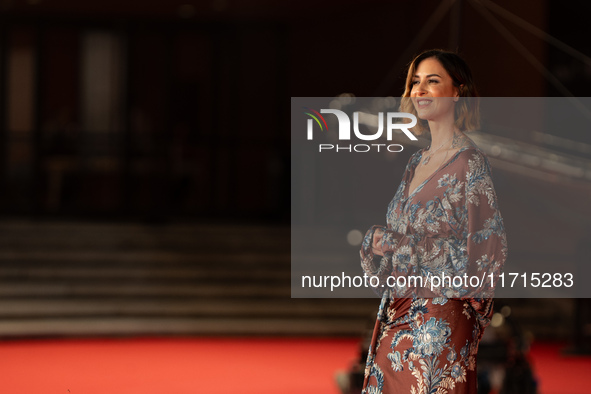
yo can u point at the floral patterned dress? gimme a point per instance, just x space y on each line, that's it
426 340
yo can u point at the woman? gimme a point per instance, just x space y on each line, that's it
443 221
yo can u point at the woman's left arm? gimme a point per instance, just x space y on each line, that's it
486 241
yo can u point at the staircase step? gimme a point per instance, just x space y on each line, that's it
329 308
79 271
131 326
126 289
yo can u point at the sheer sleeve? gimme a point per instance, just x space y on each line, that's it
376 266
486 239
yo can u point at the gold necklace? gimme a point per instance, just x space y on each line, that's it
426 160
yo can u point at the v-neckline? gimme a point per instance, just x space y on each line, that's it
441 167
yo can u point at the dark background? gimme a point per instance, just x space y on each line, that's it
175 115
197 123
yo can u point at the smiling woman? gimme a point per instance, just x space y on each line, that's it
442 74
443 220
433 92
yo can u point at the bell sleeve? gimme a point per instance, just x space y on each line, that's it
375 265
486 241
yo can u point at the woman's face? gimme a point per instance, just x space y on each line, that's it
433 93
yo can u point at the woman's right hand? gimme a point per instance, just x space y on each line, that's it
376 245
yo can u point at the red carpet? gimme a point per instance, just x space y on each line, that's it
174 366
560 374
224 365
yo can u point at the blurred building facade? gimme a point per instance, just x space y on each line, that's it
141 117
134 110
